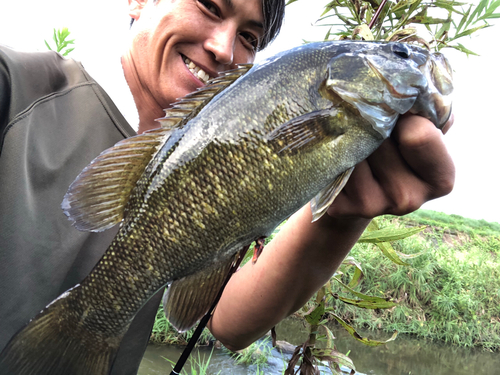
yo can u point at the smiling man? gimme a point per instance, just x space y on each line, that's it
55 119
178 45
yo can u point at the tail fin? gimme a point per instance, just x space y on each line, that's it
56 342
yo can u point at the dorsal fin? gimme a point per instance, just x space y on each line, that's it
190 105
95 201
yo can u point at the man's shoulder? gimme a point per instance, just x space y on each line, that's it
32 75
46 85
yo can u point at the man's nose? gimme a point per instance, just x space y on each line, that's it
221 44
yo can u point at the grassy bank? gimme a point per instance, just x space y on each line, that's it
450 293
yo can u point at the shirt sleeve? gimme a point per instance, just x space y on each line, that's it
5 97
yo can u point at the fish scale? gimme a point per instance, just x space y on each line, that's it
230 163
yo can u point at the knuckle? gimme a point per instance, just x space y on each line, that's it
444 187
404 200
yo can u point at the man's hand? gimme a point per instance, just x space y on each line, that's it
409 169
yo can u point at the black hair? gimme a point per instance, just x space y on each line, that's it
274 12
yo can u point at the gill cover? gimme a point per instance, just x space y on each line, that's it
384 82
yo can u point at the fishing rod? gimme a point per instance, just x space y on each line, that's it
203 322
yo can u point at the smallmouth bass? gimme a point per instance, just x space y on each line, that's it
229 164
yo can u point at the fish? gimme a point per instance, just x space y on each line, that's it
228 164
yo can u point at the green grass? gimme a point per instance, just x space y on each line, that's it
198 365
450 293
455 223
164 333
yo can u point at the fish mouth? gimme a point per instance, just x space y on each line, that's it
198 72
436 102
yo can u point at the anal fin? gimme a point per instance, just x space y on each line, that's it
188 299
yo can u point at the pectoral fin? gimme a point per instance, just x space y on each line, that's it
188 299
95 201
309 129
324 199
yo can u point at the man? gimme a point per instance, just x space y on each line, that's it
55 119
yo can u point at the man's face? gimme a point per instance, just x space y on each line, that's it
174 39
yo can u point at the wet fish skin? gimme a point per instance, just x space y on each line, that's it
255 154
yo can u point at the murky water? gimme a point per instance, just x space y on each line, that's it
406 355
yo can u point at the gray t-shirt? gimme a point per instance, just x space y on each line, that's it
54 119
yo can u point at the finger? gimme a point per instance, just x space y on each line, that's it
403 190
422 147
361 197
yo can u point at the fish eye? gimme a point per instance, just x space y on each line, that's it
401 50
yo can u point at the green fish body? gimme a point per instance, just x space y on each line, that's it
227 167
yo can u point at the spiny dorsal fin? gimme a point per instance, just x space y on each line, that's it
95 201
190 105
188 299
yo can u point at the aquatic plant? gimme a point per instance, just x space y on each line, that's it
444 21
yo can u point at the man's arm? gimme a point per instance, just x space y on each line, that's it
409 169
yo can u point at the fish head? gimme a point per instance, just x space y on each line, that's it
384 80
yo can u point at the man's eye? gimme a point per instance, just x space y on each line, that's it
210 6
250 40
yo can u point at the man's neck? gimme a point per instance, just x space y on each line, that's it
147 107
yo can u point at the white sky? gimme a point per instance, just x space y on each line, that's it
100 28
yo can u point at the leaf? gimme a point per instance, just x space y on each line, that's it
356 278
389 234
67 51
469 31
383 304
47 44
477 11
358 271
364 31
461 48
358 337
329 337
365 301
315 316
390 253
489 16
429 20
448 5
332 355
402 4
464 18
444 29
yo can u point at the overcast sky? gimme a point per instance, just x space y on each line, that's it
100 29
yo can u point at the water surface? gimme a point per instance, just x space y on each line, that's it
404 356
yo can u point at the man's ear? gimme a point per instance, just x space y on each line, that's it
135 8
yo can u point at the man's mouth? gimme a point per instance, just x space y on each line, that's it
196 70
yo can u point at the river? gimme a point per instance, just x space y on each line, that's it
407 355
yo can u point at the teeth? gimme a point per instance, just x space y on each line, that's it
200 73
